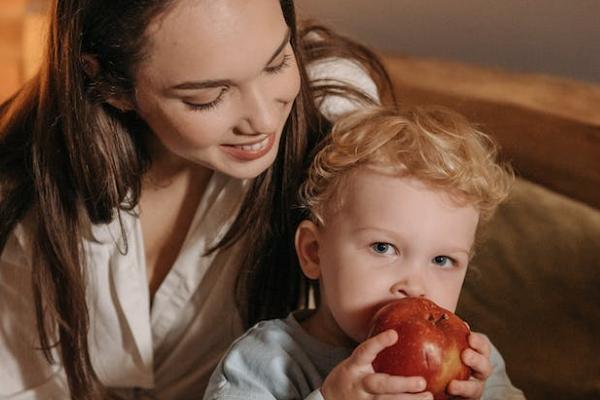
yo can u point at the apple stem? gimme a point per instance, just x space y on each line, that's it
442 317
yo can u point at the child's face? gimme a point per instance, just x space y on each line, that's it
392 238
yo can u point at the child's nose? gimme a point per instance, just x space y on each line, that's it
411 285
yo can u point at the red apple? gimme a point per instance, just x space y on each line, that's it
430 342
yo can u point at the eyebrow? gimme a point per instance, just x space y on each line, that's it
212 83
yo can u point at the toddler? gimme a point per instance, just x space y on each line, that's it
394 202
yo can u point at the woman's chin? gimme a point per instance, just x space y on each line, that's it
248 171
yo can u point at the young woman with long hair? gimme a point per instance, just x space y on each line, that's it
148 188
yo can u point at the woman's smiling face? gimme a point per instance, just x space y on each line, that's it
218 84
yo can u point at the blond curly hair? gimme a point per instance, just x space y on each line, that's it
434 145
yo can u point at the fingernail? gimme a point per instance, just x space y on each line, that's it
422 384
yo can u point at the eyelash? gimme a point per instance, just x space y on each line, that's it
213 104
280 67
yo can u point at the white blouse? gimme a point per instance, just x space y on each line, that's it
163 350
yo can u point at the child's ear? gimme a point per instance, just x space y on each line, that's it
307 248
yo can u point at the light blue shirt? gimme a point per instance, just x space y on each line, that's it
278 359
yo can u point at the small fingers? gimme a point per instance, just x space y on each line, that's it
390 384
365 353
480 343
481 365
478 355
470 389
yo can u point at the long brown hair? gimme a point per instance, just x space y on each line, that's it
68 159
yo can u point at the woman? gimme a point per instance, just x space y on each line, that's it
148 178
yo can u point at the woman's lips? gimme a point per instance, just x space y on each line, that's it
249 152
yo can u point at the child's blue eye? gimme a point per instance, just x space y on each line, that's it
443 261
383 248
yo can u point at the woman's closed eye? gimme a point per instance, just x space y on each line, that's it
383 248
285 62
210 104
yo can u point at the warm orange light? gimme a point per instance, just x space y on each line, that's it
22 26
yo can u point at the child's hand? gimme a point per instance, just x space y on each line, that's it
478 358
354 378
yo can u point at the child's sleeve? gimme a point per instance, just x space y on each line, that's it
498 386
264 364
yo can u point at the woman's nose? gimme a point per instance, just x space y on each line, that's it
262 111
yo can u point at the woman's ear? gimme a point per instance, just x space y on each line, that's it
91 68
307 248
120 103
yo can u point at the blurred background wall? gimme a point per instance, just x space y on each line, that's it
557 37
22 25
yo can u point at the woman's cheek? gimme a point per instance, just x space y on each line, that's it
204 128
293 84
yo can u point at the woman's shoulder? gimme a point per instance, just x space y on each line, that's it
343 70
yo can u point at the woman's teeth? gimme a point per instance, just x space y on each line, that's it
254 147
